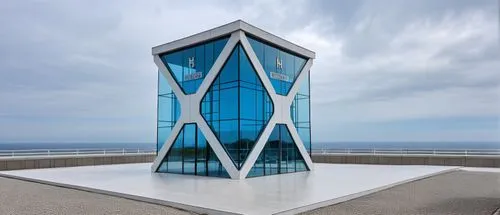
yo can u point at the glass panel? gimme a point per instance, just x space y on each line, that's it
258 167
163 86
237 107
287 148
191 154
282 67
249 132
280 155
168 111
189 66
228 136
174 155
214 165
229 72
201 153
298 160
272 153
300 113
228 98
305 136
164 131
189 149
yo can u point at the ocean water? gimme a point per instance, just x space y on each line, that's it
331 145
22 146
408 145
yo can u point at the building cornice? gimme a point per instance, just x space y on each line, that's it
226 30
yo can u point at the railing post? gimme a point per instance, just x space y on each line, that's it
48 152
138 150
104 151
123 151
12 153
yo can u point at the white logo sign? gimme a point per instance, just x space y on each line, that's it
279 63
193 76
281 77
192 73
191 62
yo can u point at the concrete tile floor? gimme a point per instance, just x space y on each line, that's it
475 192
289 193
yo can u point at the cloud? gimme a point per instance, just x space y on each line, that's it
76 71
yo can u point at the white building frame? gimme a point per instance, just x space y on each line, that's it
190 104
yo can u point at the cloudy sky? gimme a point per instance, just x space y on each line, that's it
82 71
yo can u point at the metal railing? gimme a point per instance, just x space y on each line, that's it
399 151
74 152
324 151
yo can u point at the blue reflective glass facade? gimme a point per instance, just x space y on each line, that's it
237 106
192 155
168 110
280 155
301 113
281 67
189 66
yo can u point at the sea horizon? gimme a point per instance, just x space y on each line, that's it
315 145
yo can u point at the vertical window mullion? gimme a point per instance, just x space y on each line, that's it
182 148
195 149
309 101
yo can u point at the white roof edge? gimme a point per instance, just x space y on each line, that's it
228 29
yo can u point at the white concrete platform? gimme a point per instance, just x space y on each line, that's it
481 169
279 194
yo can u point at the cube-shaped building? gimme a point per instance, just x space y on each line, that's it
234 102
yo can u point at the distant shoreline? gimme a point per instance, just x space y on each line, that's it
332 145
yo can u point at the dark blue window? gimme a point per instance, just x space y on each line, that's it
189 66
282 67
237 107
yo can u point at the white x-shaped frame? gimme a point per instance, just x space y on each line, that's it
190 109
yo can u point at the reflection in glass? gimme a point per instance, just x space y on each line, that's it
189 66
169 111
300 113
191 154
282 67
280 155
237 107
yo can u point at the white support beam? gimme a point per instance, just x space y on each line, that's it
258 66
220 152
300 145
170 79
275 118
180 122
296 85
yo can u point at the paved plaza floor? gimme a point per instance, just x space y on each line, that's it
286 194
